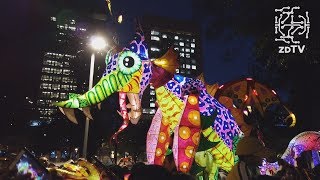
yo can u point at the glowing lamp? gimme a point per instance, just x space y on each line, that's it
120 18
97 43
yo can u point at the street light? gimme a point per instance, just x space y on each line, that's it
97 43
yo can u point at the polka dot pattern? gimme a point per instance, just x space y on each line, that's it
188 133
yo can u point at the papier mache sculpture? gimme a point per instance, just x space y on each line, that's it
197 122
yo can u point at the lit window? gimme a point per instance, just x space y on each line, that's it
193 40
177 70
152 93
176 37
182 49
151 87
183 66
192 50
193 45
152 104
66 71
187 55
53 18
72 28
152 111
144 110
56 79
193 67
176 48
55 86
188 66
65 87
155 38
153 32
181 43
54 95
68 55
187 50
164 36
181 54
63 95
66 64
152 99
155 49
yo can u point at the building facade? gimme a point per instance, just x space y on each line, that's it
65 67
161 34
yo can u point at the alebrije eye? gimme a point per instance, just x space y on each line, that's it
129 62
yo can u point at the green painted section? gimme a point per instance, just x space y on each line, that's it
105 87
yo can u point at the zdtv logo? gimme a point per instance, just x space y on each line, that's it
291 28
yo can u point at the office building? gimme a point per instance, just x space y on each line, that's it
161 34
65 67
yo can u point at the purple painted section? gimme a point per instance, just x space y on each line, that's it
224 123
315 158
146 76
137 45
305 141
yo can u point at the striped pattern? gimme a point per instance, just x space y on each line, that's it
171 108
134 85
104 88
170 105
223 156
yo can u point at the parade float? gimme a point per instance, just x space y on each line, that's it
204 131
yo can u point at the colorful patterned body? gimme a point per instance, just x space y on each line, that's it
184 107
305 141
224 123
187 134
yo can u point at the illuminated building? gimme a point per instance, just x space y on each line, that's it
65 67
161 34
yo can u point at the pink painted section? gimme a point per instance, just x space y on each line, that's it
175 145
124 114
152 136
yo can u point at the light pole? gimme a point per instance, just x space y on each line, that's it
97 43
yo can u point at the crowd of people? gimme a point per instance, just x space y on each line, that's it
250 151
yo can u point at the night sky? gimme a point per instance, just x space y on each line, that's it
24 35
